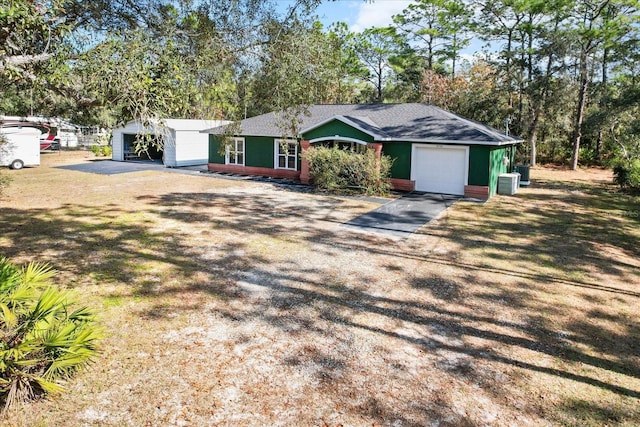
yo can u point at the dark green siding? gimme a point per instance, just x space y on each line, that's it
258 151
400 152
479 165
497 167
336 127
485 164
214 148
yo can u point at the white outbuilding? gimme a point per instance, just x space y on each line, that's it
181 141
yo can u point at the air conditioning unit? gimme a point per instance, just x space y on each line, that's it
508 183
523 170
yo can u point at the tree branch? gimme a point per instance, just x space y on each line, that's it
18 60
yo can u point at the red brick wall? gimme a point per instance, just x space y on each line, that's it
251 170
403 184
305 177
476 191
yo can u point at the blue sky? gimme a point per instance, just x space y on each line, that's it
359 14
362 14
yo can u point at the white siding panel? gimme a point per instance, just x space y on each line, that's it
117 145
192 148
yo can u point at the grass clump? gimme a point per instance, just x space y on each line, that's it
42 342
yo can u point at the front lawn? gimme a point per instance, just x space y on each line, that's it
241 303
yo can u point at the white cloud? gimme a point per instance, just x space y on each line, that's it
378 14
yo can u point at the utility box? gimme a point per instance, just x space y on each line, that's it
19 147
523 170
508 183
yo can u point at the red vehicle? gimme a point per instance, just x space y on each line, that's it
48 141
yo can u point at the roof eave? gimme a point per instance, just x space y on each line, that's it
452 141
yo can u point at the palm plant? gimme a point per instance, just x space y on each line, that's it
42 342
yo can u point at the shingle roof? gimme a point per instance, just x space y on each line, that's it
386 122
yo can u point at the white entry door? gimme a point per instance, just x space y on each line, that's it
440 168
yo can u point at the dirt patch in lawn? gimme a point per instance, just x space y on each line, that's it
241 303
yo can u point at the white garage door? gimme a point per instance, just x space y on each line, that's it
440 168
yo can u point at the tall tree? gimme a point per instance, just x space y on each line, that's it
438 28
375 47
298 68
596 23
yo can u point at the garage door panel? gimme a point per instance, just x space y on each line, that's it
440 169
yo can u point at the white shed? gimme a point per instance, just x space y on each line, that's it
182 142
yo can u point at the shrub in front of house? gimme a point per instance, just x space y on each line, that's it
43 340
348 171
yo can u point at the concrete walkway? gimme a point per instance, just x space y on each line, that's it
405 215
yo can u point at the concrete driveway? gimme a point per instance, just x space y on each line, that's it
405 215
111 167
399 217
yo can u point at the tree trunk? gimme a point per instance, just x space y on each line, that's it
605 63
542 102
379 85
599 144
455 54
582 101
508 69
533 136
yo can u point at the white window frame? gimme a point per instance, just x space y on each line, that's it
277 155
231 153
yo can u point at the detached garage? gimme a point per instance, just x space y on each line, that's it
181 140
433 150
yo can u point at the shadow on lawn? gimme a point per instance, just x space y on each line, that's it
113 245
571 240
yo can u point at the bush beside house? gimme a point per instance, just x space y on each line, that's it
338 170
